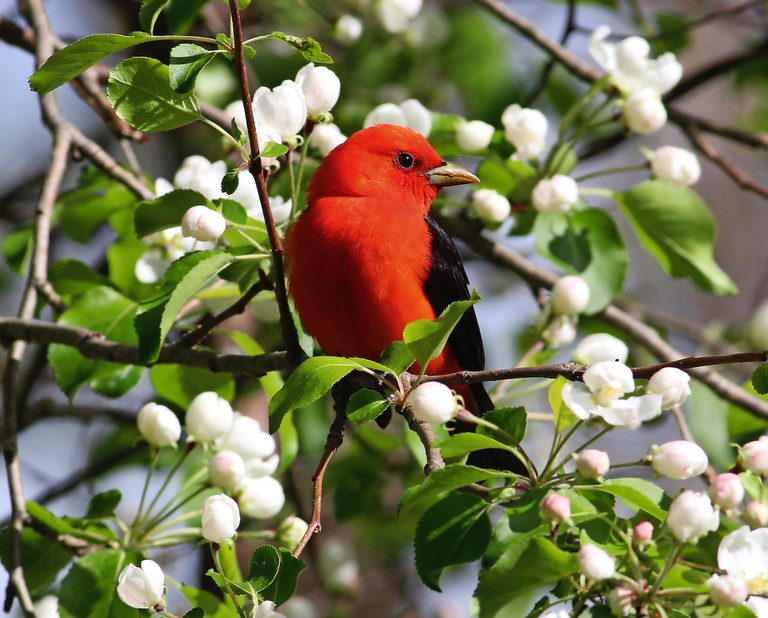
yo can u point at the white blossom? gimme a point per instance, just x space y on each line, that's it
570 295
165 247
679 459
743 554
595 563
630 65
644 112
673 386
281 209
321 88
158 425
282 108
208 417
396 15
246 438
556 194
691 516
490 205
291 530
410 113
474 136
754 455
726 590
141 587
266 609
348 29
325 137
221 518
526 130
433 402
201 175
47 607
592 463
620 600
600 347
727 490
676 165
560 332
758 327
756 514
262 497
226 470
203 223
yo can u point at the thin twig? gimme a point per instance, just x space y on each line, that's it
427 437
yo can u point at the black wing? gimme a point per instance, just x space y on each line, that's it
447 282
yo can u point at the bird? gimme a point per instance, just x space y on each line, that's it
364 258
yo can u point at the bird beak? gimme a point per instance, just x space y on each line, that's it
450 174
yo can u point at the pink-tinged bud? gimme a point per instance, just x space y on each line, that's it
620 600
226 470
727 590
593 463
756 515
727 490
556 508
203 223
754 455
595 563
570 295
691 516
679 459
642 533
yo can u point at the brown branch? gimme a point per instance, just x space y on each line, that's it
48 408
427 438
747 138
290 336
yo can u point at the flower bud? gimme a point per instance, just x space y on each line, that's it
595 563
592 463
676 165
203 223
758 327
208 417
221 518
672 384
560 332
256 467
410 113
600 347
644 112
754 455
325 137
607 381
556 194
199 174
396 15
283 109
321 88
299 607
556 508
691 516
727 590
266 609
348 29
158 425
433 402
291 530
727 490
474 136
47 607
526 130
756 515
679 459
246 438
491 206
141 587
226 470
620 600
570 295
642 533
262 497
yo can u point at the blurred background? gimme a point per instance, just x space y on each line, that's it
455 58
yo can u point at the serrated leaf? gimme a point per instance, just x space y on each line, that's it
263 567
760 379
165 211
511 420
453 531
149 12
180 385
70 277
306 46
140 91
272 150
76 57
365 405
212 606
284 585
676 227
231 181
236 131
155 322
397 356
426 338
17 247
43 557
462 444
636 493
103 504
186 62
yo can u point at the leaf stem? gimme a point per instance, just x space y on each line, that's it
240 148
227 586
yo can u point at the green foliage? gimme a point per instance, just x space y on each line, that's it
149 12
104 504
453 531
272 149
17 248
42 556
187 60
513 421
674 32
462 444
308 47
180 385
636 493
760 379
283 585
140 91
586 243
263 567
165 211
678 229
71 278
365 405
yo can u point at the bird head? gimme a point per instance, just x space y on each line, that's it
389 163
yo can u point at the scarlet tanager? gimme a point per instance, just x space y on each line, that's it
365 259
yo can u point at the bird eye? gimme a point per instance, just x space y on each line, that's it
405 160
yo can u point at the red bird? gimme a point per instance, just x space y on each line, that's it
365 259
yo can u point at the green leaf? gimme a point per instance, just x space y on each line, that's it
104 504
43 557
677 228
527 564
365 405
453 531
453 476
514 179
513 421
149 12
195 612
17 247
180 385
165 211
100 309
231 181
310 381
426 338
306 46
70 277
674 35
140 91
263 567
586 243
760 379
186 62
636 493
397 356
209 603
153 324
742 425
564 418
232 211
753 485
464 443
707 416
272 150
284 585
76 57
